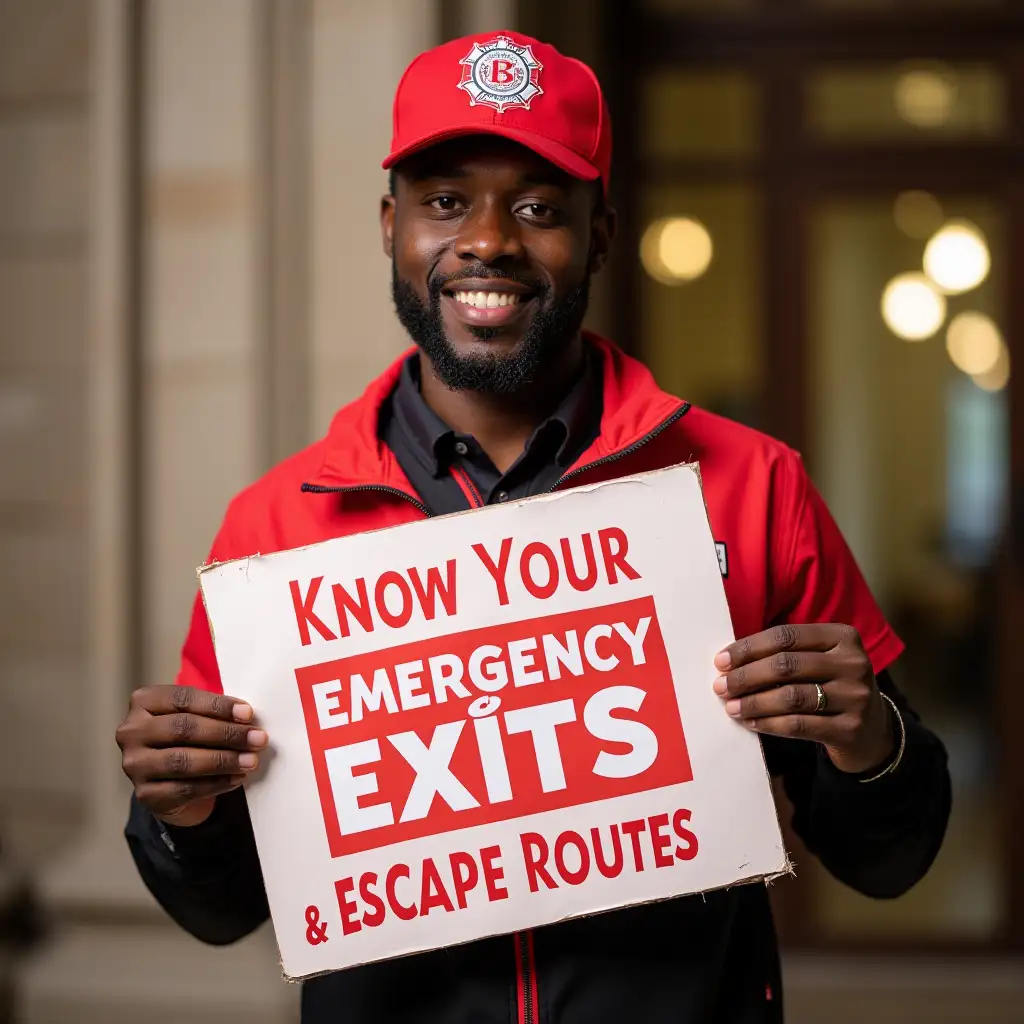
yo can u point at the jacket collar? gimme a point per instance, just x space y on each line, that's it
355 456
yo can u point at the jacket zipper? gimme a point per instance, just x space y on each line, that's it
469 489
635 446
319 489
526 978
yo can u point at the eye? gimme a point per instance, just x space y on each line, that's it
445 204
538 212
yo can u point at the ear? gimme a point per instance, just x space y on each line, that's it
603 226
387 224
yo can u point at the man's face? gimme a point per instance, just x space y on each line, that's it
492 250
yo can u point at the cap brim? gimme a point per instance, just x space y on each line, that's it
561 156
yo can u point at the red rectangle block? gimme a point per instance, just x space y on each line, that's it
492 724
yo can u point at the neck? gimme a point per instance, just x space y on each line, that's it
503 424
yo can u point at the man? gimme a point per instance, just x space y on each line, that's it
496 221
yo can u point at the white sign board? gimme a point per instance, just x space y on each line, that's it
491 721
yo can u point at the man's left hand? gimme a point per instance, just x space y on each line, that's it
768 684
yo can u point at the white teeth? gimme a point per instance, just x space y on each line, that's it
487 300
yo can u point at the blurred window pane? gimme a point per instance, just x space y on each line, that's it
912 457
702 335
688 114
902 102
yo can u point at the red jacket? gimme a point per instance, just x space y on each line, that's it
711 959
782 555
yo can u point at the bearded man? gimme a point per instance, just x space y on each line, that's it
496 221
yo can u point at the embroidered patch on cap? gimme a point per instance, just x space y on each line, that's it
501 74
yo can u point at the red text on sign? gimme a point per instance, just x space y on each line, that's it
395 598
407 891
629 845
445 885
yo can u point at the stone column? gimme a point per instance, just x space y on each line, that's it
215 380
184 386
103 389
44 239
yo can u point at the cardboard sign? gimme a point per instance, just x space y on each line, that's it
491 721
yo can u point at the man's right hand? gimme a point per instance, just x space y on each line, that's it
183 747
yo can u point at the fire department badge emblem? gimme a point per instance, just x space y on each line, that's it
501 74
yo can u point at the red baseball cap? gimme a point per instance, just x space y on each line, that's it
507 84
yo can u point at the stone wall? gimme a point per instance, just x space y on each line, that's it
191 281
45 235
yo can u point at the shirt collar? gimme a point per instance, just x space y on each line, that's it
431 439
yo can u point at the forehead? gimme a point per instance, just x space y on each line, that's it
485 158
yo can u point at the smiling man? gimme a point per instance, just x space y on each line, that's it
495 223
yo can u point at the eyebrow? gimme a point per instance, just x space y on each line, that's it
553 177
424 172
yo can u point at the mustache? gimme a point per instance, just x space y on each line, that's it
480 272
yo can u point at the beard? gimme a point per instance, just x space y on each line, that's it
548 335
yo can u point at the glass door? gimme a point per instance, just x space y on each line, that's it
908 440
825 208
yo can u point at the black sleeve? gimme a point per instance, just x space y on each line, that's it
878 837
208 877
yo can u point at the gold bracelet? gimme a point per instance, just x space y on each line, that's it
903 742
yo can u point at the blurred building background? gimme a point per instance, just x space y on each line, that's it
822 235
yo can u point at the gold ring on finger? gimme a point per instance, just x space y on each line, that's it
822 705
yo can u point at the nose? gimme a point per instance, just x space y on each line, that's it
488 233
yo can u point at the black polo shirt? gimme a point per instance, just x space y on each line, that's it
433 455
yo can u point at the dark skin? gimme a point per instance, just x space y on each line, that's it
492 202
487 201
767 684
183 747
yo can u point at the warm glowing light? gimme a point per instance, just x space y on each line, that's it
957 258
917 214
912 307
999 376
973 342
925 97
676 249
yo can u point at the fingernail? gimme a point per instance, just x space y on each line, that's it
723 660
732 707
247 760
242 712
720 685
256 737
